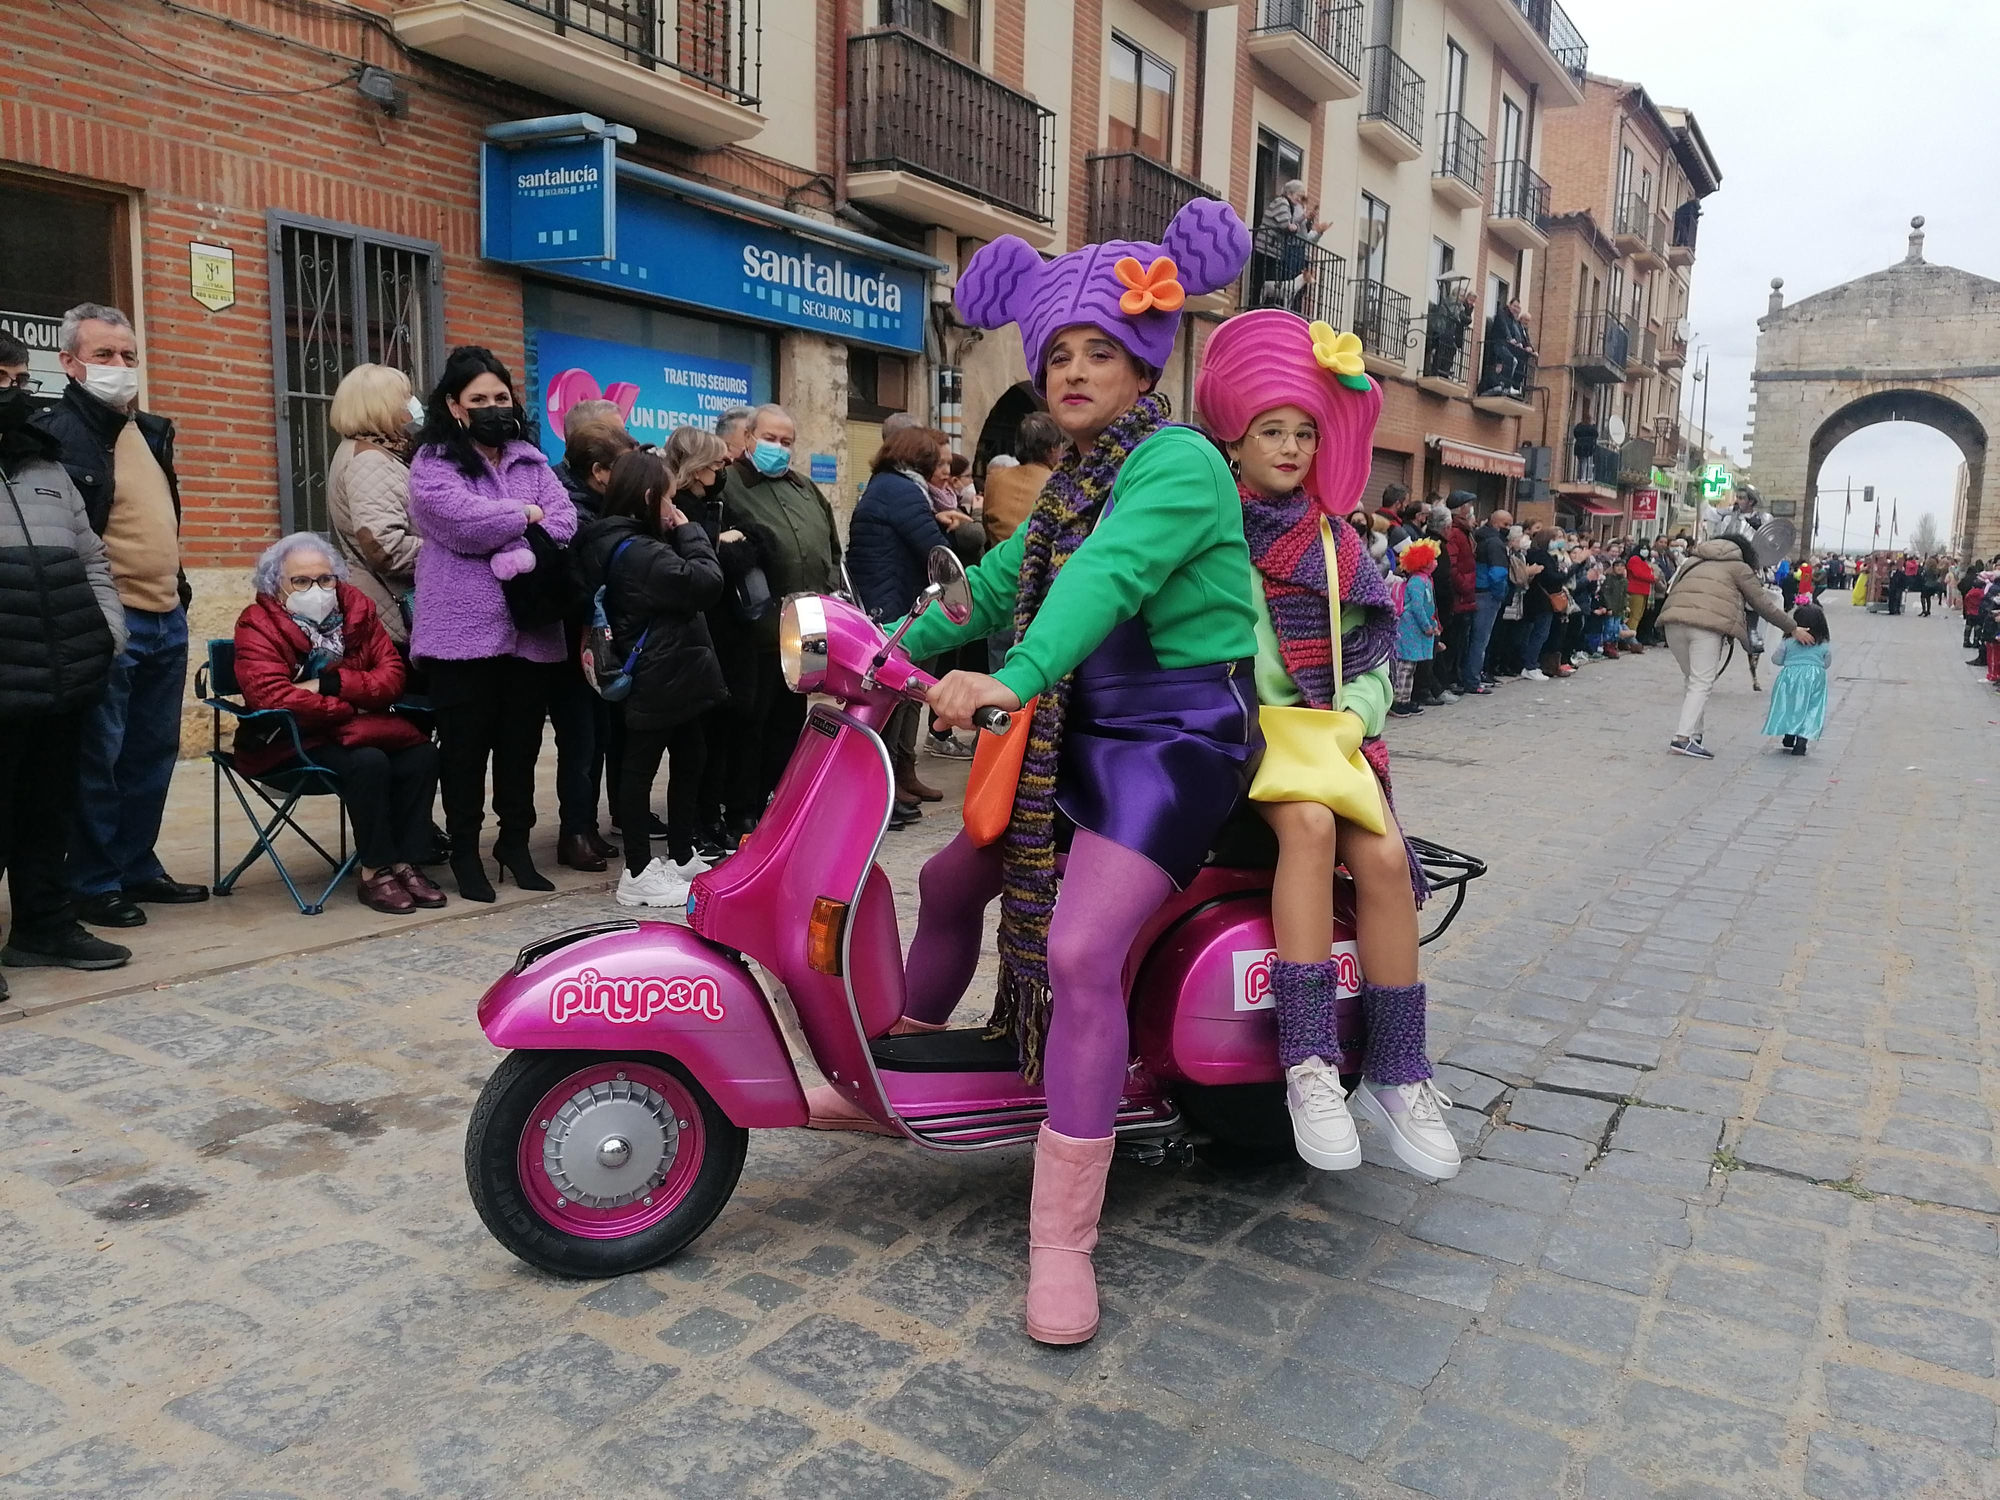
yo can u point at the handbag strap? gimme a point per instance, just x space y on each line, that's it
1333 621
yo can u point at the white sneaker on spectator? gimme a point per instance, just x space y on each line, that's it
1413 1116
695 865
1447 697
652 886
1535 674
1322 1129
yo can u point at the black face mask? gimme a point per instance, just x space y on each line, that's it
15 408
493 426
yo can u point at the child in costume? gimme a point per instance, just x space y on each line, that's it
1295 412
1798 697
1128 590
1417 628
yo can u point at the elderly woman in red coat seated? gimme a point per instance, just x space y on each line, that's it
313 645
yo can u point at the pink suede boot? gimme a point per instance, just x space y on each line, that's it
1062 1231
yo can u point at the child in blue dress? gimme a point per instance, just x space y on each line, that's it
1798 697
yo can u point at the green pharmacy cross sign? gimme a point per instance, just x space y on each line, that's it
1715 482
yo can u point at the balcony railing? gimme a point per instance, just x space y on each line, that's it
1649 344
1462 153
1448 333
1559 34
1333 26
1599 466
1395 93
1520 192
1292 272
1657 240
1505 372
1601 340
914 108
1687 224
1133 197
1382 319
1634 219
712 43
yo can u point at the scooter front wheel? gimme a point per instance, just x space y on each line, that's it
597 1164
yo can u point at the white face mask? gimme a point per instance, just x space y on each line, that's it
416 409
114 385
313 604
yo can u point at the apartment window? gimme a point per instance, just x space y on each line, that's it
950 24
1646 186
1278 162
1624 174
1371 254
877 384
1454 77
1142 101
1616 301
342 296
1513 130
1443 258
1498 293
1382 22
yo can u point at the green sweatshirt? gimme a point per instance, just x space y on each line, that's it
1369 695
1171 553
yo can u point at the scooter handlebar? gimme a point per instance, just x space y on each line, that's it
992 720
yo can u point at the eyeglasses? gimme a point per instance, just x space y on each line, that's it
1306 437
21 382
302 581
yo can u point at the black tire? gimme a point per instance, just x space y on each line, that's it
492 1143
1248 1122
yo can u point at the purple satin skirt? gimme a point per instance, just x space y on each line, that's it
1156 758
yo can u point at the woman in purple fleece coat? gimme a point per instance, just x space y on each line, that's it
476 484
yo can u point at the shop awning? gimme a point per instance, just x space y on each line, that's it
1480 460
1594 507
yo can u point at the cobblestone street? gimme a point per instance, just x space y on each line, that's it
1724 1040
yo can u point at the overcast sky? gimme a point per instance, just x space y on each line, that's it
1833 122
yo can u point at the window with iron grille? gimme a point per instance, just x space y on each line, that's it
341 296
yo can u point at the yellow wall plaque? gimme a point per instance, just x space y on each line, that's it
212 275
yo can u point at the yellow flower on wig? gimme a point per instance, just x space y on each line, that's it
1339 354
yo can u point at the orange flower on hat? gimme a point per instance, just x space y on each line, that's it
1154 286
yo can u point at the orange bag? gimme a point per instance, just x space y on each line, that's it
996 772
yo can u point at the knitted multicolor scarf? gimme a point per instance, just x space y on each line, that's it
1061 521
1285 546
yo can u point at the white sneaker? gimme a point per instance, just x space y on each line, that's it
950 747
1535 674
1412 1114
1322 1129
1447 697
695 865
656 885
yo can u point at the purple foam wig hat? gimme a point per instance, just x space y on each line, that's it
1118 286
1259 361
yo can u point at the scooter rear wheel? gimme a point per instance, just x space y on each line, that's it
597 1164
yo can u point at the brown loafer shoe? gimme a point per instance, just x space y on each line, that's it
915 790
574 850
601 846
383 892
420 887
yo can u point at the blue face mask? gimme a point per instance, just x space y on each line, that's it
771 459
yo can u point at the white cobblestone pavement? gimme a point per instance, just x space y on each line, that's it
1725 1044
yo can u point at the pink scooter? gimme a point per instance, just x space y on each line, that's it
643 1053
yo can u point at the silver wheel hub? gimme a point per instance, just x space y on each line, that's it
610 1144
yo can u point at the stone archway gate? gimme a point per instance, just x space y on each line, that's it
1913 343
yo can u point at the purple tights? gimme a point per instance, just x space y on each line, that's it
1107 894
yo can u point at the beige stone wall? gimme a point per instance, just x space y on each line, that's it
812 386
219 597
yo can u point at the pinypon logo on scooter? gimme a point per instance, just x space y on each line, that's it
1253 975
631 1001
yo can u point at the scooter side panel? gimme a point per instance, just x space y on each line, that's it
1203 1010
659 989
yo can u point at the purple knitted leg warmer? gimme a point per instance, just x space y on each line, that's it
1395 1033
1304 997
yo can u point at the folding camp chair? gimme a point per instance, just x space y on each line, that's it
215 685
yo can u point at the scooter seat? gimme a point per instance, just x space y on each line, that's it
965 1051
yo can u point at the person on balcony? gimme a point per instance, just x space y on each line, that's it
1583 444
1129 585
1444 334
1286 236
1509 350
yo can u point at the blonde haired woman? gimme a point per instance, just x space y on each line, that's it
368 490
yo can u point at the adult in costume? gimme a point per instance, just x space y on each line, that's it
1128 592
1296 413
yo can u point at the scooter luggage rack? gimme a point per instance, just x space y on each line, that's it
1446 870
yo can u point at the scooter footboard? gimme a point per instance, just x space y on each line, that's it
652 987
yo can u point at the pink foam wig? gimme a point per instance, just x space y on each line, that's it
1259 361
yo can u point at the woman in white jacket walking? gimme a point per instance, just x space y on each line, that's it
368 490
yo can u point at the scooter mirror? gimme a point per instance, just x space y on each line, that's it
954 592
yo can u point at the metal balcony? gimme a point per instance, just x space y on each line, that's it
1520 206
1551 23
1448 335
1382 319
1314 45
1291 272
1460 176
1647 356
1506 387
1392 114
1631 225
1601 350
688 69
1673 351
937 141
1687 223
1133 197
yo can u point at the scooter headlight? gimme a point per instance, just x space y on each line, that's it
802 643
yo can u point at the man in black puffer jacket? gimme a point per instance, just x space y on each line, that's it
60 627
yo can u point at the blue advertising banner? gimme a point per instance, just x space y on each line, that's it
653 389
668 248
550 202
